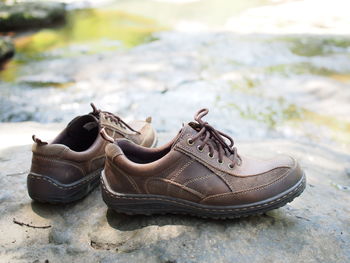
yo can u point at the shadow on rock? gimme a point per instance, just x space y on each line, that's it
49 211
125 222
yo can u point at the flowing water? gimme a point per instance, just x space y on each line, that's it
167 59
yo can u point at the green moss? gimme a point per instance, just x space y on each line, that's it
271 115
9 71
100 30
92 26
299 69
284 112
18 16
340 128
316 46
45 84
246 84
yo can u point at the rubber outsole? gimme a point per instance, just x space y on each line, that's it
147 204
44 189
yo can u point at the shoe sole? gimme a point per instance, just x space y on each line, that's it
142 204
44 189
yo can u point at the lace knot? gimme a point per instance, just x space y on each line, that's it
112 117
214 139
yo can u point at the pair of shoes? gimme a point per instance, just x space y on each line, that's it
69 167
199 172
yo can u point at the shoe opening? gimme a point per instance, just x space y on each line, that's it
142 155
80 133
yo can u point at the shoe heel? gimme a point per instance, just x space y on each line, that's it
46 190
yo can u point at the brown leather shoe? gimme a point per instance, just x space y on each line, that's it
197 173
69 167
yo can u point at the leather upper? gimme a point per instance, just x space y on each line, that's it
183 170
73 155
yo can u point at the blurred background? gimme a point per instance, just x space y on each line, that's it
265 68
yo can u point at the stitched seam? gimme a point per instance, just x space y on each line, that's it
198 179
58 155
151 179
133 183
95 159
37 177
161 173
214 170
170 167
182 187
63 152
189 152
248 190
202 178
122 173
98 157
211 168
181 169
61 162
217 172
228 183
200 208
177 174
164 171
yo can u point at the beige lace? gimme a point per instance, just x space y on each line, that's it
112 117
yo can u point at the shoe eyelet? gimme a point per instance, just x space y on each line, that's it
230 166
199 148
211 155
220 162
190 142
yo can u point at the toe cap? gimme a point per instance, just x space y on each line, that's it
285 176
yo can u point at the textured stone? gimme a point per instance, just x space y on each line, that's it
7 49
18 16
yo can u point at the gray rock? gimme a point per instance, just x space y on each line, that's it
313 228
347 171
18 16
7 49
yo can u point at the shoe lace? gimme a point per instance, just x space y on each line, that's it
214 139
112 117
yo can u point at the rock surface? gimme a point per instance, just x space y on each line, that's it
7 49
313 228
18 16
272 90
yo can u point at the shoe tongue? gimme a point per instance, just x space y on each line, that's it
90 125
186 129
82 125
105 121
